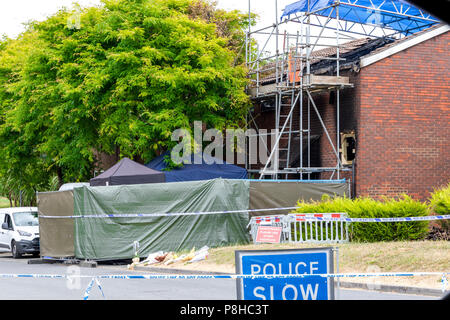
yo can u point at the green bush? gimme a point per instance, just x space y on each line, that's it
440 205
370 208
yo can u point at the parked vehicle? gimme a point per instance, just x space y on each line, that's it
71 186
19 230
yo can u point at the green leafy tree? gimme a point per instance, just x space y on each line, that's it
121 76
22 170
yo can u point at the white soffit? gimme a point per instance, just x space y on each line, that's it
403 45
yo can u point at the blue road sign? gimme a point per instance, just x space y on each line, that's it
284 262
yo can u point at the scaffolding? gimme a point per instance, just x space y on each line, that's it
294 83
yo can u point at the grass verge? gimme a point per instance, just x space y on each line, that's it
378 257
432 256
4 202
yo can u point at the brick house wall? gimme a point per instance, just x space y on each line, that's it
399 109
403 130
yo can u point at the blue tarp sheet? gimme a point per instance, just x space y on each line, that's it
197 172
398 15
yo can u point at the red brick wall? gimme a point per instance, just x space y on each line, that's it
266 120
403 133
400 110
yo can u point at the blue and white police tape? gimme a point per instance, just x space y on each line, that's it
314 217
89 288
162 214
306 216
95 280
224 276
402 219
444 282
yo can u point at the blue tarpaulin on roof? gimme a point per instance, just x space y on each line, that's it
197 172
398 15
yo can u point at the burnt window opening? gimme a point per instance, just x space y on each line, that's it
348 148
267 105
332 98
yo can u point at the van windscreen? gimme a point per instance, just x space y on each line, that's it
24 219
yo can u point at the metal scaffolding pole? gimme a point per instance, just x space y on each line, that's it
287 78
338 129
277 105
247 43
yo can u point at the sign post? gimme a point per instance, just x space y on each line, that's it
285 262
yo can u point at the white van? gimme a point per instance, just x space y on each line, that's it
19 230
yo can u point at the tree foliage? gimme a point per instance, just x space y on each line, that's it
120 76
440 205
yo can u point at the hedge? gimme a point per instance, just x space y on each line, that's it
440 205
405 206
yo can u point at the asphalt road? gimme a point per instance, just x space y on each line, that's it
118 289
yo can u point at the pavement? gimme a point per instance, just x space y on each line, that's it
118 289
382 288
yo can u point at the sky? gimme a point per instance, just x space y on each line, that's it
14 13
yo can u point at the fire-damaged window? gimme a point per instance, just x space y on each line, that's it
332 98
267 105
348 148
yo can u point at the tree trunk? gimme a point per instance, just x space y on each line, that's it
60 177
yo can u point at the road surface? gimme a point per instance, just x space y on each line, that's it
118 289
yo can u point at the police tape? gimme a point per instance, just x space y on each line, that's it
338 218
162 214
89 288
300 217
223 276
96 279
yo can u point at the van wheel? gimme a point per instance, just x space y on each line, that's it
15 252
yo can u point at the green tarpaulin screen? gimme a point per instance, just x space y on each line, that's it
285 194
112 238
